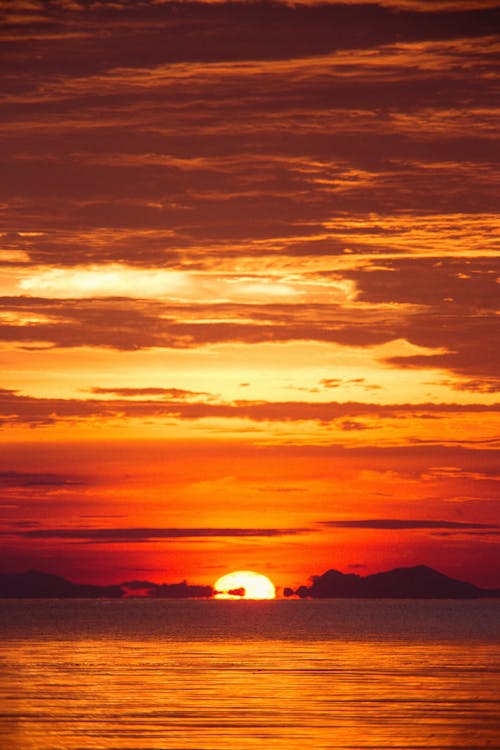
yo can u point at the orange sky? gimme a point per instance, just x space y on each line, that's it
249 289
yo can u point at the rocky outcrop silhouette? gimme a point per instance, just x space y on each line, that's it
419 582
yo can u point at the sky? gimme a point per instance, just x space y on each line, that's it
249 287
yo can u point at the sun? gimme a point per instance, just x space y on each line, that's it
244 584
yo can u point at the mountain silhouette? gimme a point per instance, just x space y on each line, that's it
419 582
37 585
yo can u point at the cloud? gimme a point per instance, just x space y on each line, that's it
460 472
471 284
167 32
457 313
168 393
20 409
187 138
406 524
110 535
255 177
133 324
477 385
122 281
32 479
274 489
452 333
351 424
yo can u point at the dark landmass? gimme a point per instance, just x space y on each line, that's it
36 585
232 592
137 588
237 592
180 591
419 582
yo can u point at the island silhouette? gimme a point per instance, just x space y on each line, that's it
418 582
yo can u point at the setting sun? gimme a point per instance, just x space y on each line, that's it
244 584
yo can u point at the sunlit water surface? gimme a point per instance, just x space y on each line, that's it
152 674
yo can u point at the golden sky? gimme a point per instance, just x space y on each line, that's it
249 288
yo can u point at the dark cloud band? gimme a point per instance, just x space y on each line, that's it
154 534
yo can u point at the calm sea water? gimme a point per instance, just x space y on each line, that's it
210 675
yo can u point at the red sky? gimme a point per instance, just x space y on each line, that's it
249 288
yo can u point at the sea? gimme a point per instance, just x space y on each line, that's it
157 674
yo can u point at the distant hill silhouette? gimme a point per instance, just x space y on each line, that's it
36 585
419 582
